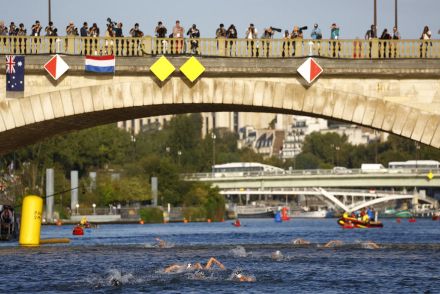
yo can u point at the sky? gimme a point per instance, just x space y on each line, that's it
353 16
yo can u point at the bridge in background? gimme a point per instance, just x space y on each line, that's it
400 96
330 187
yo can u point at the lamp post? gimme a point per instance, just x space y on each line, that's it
395 13
94 208
77 209
375 14
50 10
213 136
179 153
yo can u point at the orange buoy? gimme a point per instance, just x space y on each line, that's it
141 222
78 231
185 220
208 220
59 223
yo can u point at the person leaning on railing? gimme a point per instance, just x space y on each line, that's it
36 30
334 35
266 40
85 44
12 32
383 44
232 34
426 36
316 36
252 34
394 44
161 32
194 34
178 32
51 31
119 43
94 33
135 32
220 33
21 33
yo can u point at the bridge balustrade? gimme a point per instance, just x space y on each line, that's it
257 48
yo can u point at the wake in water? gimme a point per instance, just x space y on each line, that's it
239 251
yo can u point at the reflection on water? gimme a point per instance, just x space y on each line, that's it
125 258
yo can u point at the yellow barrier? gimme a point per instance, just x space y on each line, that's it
30 227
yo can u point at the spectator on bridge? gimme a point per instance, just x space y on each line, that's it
36 29
251 34
178 32
161 32
21 32
220 32
371 33
13 30
109 34
3 29
316 33
385 36
119 34
426 36
286 44
267 35
334 35
71 30
84 31
396 34
135 32
51 31
94 33
231 33
194 34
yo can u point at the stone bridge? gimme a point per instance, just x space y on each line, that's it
396 96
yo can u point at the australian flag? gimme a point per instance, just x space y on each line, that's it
14 73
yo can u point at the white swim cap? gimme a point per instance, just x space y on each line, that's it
188 265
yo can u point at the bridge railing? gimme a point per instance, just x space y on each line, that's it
257 48
309 172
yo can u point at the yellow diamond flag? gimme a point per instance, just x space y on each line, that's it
192 69
430 175
162 68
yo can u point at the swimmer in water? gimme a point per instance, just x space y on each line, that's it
197 266
300 241
369 245
115 282
277 255
161 243
240 277
333 243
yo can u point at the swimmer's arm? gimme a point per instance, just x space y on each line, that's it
198 266
172 268
213 260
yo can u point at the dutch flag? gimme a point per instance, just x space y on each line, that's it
102 64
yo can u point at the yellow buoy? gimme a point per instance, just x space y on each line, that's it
54 241
30 227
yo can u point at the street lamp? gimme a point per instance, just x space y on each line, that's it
50 10
213 136
179 153
77 209
94 208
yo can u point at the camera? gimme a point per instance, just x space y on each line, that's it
302 29
276 29
110 22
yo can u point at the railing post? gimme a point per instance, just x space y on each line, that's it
147 45
70 45
375 48
298 47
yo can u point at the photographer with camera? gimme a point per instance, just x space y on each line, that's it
135 32
94 33
36 30
51 31
316 35
251 34
194 33
267 35
161 32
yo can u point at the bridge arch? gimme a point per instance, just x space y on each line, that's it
64 109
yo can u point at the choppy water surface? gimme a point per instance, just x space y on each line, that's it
407 262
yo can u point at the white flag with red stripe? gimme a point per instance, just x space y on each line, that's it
56 67
310 70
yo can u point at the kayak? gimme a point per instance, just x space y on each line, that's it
350 222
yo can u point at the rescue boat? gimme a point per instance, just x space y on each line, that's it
351 222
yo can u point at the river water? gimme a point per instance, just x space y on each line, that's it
407 262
